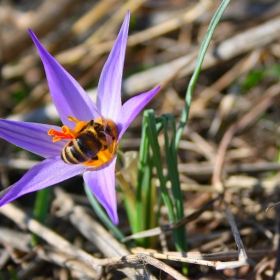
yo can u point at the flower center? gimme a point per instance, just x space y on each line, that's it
91 143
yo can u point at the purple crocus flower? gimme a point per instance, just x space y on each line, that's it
76 110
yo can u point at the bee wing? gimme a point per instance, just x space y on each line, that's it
111 143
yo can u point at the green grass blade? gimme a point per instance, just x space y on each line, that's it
153 137
180 236
204 46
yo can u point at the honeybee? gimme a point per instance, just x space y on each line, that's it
97 135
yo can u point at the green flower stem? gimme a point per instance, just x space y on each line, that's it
102 215
40 210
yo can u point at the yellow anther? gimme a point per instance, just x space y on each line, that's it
73 119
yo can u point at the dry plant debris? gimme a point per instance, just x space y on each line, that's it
228 157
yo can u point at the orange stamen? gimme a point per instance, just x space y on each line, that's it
73 119
67 133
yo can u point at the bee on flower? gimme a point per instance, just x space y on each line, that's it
87 142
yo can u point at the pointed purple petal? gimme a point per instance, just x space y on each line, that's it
68 96
46 173
131 109
109 87
102 184
32 137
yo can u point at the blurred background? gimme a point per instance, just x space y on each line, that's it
235 112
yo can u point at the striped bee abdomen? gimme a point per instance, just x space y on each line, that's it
83 148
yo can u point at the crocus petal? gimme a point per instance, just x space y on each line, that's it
32 137
68 96
102 184
46 173
109 87
131 109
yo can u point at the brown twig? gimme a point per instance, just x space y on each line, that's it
45 19
260 105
